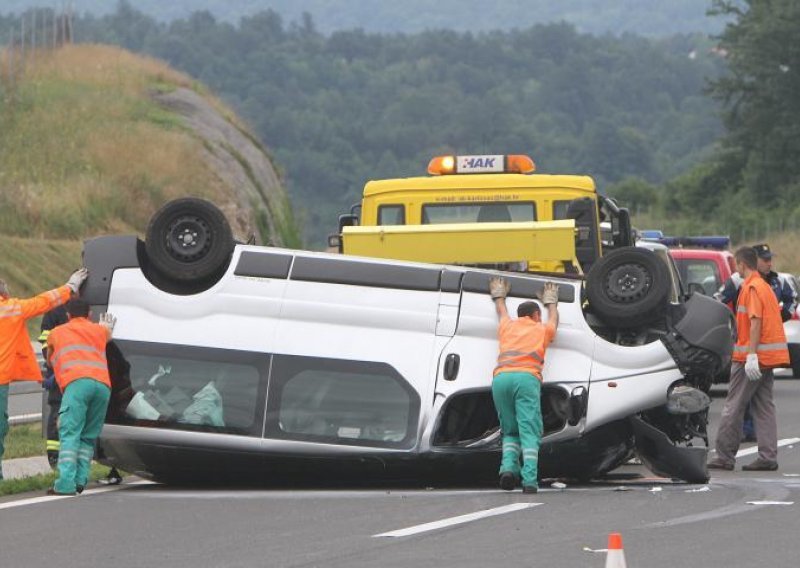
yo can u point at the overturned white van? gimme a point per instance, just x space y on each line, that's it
267 364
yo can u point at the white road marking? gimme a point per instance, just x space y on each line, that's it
52 498
754 449
770 502
460 520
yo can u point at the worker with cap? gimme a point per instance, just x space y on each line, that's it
516 387
77 353
760 347
17 360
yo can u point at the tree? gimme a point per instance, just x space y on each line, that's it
762 108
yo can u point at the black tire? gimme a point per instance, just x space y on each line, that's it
189 241
628 287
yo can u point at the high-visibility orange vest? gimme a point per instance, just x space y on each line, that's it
17 360
522 346
79 352
772 350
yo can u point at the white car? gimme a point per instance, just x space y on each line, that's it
233 361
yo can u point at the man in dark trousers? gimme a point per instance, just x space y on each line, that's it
760 348
517 383
53 318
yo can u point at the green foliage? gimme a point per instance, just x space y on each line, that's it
24 441
761 95
339 110
648 17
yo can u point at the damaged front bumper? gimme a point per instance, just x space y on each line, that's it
666 459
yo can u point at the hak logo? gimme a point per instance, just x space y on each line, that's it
480 164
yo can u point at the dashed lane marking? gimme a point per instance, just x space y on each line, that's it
460 520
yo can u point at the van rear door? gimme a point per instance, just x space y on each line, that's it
354 353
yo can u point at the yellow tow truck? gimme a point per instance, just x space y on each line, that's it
487 210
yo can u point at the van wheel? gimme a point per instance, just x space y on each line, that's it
628 287
189 241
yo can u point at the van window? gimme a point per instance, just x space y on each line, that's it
188 388
488 212
391 215
340 402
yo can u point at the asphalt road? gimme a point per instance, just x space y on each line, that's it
663 524
24 398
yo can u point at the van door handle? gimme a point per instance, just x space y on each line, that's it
451 365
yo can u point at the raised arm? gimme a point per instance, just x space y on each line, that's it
549 298
499 289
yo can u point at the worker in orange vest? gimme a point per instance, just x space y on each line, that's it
77 353
760 348
517 383
17 360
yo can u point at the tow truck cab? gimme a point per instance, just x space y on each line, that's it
536 222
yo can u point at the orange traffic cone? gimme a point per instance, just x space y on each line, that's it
616 556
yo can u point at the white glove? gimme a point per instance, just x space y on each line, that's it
549 294
751 367
499 287
108 321
78 277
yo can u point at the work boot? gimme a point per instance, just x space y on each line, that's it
529 489
113 478
719 464
52 491
760 465
508 481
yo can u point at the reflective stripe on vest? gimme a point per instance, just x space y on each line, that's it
762 347
772 348
79 352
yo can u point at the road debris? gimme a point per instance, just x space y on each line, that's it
587 549
702 489
655 489
622 488
558 485
770 502
791 475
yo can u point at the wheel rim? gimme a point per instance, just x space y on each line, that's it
188 238
628 283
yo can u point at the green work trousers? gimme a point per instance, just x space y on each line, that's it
80 420
517 400
3 424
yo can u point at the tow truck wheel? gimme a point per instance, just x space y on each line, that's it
628 287
189 242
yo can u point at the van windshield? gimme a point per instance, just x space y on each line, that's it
490 212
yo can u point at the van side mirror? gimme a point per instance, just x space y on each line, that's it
335 241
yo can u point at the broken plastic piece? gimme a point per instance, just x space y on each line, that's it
702 489
558 485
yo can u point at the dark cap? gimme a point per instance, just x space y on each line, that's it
763 251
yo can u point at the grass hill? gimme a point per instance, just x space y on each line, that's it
93 139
